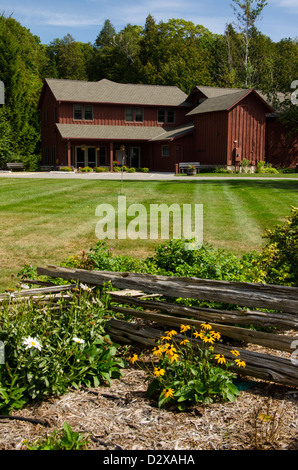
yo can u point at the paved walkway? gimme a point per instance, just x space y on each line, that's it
162 176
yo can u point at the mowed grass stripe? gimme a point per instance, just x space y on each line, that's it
43 221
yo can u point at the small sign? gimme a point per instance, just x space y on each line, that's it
2 92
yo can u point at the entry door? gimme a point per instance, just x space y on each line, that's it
80 157
91 157
135 157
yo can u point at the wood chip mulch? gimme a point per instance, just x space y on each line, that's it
122 417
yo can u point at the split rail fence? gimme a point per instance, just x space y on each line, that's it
259 305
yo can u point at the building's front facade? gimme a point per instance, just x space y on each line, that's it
90 123
97 123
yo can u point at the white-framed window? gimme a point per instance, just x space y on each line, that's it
165 150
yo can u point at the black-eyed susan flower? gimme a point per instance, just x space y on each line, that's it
157 351
184 328
171 333
240 363
158 371
133 358
173 357
206 326
216 335
220 358
184 341
168 392
235 352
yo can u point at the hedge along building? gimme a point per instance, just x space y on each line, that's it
90 123
96 123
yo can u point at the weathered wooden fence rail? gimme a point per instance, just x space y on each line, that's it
282 300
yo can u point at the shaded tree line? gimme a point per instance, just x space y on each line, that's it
176 52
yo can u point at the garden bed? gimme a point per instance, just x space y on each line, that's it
121 417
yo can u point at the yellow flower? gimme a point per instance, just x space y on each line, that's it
157 351
158 371
208 339
220 358
235 352
196 334
133 359
184 341
215 335
184 328
173 357
168 392
171 333
170 350
165 338
205 326
240 363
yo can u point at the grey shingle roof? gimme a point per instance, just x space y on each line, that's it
212 92
219 103
175 133
107 91
77 131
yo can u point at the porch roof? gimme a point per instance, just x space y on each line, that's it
98 132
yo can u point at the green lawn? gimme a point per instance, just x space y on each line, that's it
42 221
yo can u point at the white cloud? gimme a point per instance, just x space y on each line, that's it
290 4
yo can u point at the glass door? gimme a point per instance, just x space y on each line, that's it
80 157
91 157
135 157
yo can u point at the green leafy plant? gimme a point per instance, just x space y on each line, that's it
64 439
48 350
188 372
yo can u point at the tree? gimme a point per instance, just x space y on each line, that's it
67 58
20 58
247 12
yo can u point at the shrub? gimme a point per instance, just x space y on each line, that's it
86 169
65 168
279 258
263 167
99 169
131 170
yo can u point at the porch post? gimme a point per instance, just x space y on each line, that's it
68 154
111 156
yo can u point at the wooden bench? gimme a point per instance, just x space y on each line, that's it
185 165
15 166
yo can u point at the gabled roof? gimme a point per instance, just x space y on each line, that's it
225 102
212 92
107 91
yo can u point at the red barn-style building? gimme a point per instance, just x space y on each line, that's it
90 123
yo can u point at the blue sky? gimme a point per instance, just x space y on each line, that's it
83 19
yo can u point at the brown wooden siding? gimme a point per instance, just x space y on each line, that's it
210 138
247 126
281 151
114 115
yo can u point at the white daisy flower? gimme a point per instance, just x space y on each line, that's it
78 340
85 287
31 343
